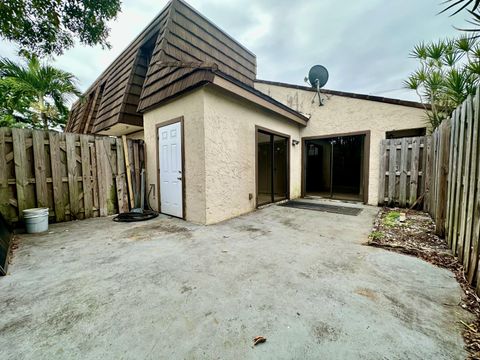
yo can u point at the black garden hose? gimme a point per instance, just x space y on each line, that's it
135 216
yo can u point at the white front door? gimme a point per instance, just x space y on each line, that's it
171 177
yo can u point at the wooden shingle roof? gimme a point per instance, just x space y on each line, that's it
179 49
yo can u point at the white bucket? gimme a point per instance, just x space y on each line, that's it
36 220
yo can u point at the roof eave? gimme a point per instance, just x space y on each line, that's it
385 100
271 105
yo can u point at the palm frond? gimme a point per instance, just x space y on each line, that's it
419 51
455 3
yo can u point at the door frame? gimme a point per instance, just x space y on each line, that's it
182 131
272 132
365 165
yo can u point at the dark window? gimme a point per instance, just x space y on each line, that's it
398 134
272 167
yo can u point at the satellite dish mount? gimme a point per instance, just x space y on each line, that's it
317 78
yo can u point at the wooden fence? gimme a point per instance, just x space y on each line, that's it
75 176
460 207
451 190
402 170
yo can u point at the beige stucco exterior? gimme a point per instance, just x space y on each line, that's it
220 143
230 153
342 114
219 139
191 108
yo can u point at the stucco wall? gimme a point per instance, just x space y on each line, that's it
191 107
343 115
139 135
230 153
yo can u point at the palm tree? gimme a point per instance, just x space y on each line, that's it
472 6
447 74
47 88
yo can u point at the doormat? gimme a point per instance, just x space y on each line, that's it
343 210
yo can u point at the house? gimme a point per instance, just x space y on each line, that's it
219 142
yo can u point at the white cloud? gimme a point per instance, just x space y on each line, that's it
364 44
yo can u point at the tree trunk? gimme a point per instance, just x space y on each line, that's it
44 118
43 115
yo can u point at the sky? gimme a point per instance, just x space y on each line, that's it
364 44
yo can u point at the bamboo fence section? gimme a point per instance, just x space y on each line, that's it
75 176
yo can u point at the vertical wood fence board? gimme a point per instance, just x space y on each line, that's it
458 184
464 180
86 176
122 192
3 160
381 179
101 177
38 138
109 174
470 184
391 173
128 171
476 227
93 157
441 178
474 202
433 172
431 167
427 170
72 177
403 173
54 140
20 160
414 170
136 161
4 189
453 195
451 167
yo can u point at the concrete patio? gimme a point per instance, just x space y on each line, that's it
169 289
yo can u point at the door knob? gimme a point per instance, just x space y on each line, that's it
179 178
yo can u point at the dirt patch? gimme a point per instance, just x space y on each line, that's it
323 332
370 294
16 324
149 232
253 230
413 233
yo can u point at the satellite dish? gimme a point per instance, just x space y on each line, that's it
317 78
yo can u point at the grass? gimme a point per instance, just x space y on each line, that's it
376 235
391 218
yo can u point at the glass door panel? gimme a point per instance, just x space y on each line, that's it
280 171
347 167
272 168
264 173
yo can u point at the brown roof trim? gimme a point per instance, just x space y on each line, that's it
350 95
260 99
234 86
294 115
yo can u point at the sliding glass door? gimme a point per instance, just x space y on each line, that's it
272 167
335 167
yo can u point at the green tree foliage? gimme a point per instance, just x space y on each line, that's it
472 6
449 71
33 94
52 26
